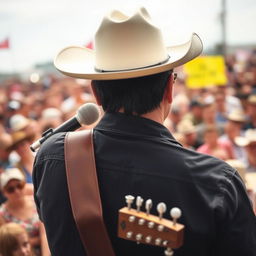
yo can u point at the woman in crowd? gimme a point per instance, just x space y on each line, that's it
21 209
213 146
14 241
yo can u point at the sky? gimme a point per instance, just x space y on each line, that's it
38 29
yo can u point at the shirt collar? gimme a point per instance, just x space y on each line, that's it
123 123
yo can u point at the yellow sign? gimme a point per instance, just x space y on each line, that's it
205 71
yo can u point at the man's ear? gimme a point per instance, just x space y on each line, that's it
168 89
95 94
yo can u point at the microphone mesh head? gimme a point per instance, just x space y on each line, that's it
87 114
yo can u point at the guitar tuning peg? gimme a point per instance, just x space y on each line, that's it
148 206
168 252
139 201
129 200
175 214
161 208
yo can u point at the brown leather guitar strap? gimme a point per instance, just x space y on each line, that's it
84 193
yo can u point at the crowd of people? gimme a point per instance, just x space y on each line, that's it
219 121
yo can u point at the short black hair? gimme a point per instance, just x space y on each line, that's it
136 96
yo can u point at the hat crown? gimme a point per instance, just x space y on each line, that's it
123 42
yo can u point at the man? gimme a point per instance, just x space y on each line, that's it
135 154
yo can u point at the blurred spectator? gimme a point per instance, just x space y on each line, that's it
249 142
14 241
180 138
231 102
76 98
173 119
195 113
5 143
21 145
213 146
18 122
233 129
251 111
21 123
239 166
188 131
21 209
209 119
51 118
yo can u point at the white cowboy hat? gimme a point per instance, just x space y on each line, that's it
126 47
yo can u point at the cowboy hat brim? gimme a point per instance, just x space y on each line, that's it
78 62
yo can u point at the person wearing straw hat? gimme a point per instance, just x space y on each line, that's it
132 73
248 141
233 128
251 110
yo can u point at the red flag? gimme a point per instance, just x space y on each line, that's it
89 45
5 44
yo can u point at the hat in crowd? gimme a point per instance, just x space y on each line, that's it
239 166
18 122
10 174
196 102
208 100
248 138
18 137
237 115
252 99
51 113
186 127
126 47
14 105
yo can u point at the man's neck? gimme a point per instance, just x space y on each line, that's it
157 115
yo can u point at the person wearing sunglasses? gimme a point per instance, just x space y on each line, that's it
20 208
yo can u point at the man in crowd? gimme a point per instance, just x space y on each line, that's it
233 128
251 109
135 154
248 141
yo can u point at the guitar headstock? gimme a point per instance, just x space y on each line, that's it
143 227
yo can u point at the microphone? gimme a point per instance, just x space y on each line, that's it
86 114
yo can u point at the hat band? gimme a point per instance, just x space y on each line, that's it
130 69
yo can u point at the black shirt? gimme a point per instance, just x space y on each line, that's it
138 156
